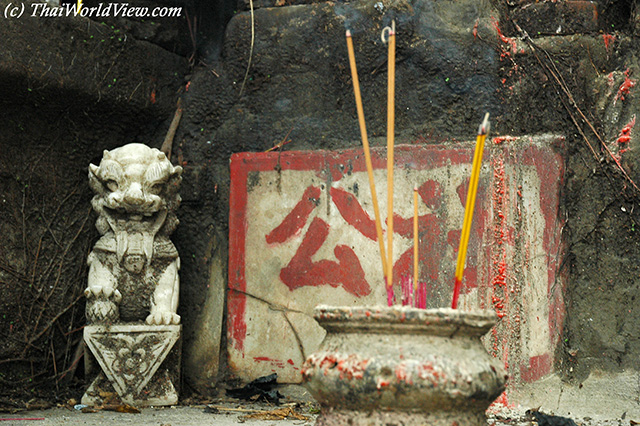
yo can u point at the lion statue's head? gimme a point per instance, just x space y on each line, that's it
136 187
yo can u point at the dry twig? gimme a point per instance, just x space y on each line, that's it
570 104
253 37
167 145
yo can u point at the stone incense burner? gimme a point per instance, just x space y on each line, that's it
403 366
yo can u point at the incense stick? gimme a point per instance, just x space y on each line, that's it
415 244
390 142
468 209
367 154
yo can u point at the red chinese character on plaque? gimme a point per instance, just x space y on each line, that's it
347 271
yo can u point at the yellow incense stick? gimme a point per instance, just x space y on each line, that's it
367 154
390 141
468 209
415 246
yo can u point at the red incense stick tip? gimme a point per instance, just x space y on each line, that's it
348 33
456 293
484 127
390 296
415 188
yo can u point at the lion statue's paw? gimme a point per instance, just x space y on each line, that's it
98 291
163 318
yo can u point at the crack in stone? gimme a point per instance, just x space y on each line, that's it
454 332
295 334
273 306
283 310
560 396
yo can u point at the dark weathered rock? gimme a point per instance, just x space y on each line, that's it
244 5
299 78
559 18
91 60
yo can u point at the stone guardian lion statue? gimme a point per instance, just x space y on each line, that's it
133 268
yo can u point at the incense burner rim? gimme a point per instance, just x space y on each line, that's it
440 321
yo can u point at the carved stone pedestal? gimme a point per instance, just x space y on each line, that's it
139 363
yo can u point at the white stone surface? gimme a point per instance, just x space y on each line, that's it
602 396
133 268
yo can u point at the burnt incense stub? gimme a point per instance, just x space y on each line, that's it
403 365
133 284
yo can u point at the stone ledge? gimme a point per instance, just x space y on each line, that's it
615 393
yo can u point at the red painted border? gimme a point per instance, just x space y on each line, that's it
237 327
337 164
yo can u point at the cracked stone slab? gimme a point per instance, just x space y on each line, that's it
302 233
130 356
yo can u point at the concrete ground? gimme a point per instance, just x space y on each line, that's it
228 412
170 416
198 415
221 412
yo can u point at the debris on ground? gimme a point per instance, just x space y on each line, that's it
549 420
277 414
261 389
12 406
118 408
282 413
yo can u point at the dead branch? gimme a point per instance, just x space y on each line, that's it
253 37
550 68
57 281
54 319
167 145
19 360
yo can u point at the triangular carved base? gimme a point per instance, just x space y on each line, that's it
139 363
